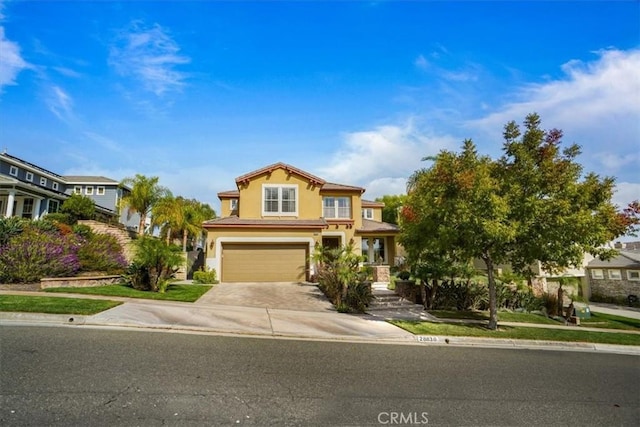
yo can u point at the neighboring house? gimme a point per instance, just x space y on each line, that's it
272 222
618 277
30 191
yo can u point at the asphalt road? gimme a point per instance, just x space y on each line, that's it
88 377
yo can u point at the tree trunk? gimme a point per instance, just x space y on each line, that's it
493 312
185 234
168 235
143 219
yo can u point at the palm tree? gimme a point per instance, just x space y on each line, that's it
145 193
167 214
194 214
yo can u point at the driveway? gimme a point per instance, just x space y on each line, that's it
284 296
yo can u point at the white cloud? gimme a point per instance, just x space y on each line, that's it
11 62
626 192
105 142
60 104
382 159
421 62
597 104
149 55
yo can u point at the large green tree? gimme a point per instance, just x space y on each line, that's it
78 207
392 204
533 204
181 216
145 193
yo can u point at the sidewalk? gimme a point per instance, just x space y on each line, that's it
270 322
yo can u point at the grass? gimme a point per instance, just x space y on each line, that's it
509 332
609 321
54 305
504 316
183 293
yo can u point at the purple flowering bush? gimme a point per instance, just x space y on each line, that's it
102 252
35 253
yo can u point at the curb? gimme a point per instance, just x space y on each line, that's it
66 320
527 344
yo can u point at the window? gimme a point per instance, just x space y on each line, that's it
43 181
233 203
615 275
29 176
279 200
54 206
77 190
27 208
336 207
597 273
100 191
13 171
54 185
633 275
88 191
367 213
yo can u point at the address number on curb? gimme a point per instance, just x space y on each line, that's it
427 339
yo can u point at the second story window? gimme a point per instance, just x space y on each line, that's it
43 181
29 176
336 207
77 190
279 200
100 191
54 185
13 171
367 213
233 203
88 191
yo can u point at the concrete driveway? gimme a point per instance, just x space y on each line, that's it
281 295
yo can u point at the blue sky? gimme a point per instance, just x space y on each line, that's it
200 92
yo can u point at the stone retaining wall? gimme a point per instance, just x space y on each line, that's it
78 282
614 288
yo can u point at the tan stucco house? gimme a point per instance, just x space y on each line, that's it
272 222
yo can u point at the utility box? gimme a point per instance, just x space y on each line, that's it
581 310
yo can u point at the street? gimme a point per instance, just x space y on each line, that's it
93 377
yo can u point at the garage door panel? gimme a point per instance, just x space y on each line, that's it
264 262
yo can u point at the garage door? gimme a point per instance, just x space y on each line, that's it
264 262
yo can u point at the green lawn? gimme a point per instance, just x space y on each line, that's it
508 332
609 321
54 305
183 293
504 316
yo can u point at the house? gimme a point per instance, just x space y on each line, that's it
277 215
31 191
617 277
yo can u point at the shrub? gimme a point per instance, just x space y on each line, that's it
341 278
82 230
102 252
404 275
78 207
34 254
10 227
205 277
155 264
59 217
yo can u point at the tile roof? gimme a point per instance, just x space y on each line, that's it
625 259
331 186
234 221
371 204
291 169
228 194
369 226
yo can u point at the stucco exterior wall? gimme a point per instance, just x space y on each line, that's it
309 200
